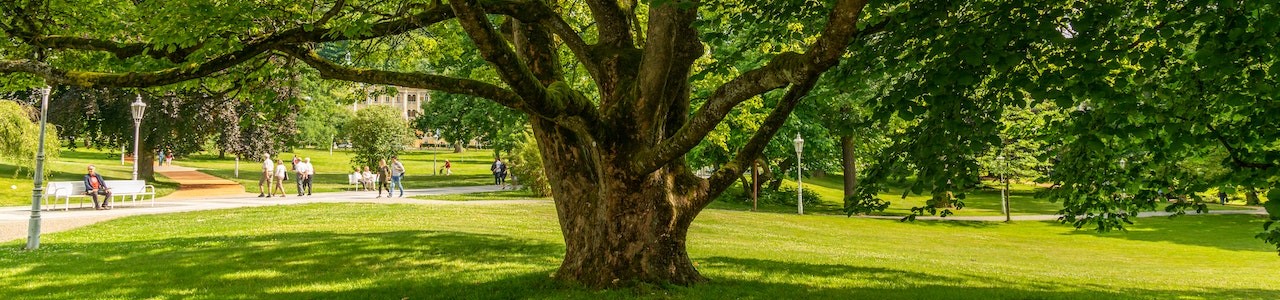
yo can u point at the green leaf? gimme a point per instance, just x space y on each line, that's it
1273 203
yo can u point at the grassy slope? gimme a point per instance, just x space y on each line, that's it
71 166
1022 200
469 168
508 251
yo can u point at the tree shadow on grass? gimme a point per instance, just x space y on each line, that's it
454 265
1227 232
794 280
388 265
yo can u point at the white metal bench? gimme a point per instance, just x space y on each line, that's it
65 190
353 181
134 189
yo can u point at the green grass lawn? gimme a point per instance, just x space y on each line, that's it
469 168
370 251
70 166
499 195
1022 200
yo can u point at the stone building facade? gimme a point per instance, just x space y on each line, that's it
408 101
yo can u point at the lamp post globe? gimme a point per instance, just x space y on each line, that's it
137 108
799 141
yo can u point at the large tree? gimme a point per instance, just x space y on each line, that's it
623 193
613 137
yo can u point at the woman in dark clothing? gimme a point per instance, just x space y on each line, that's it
384 178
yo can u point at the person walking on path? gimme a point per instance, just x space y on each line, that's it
268 167
305 171
281 174
397 174
448 167
1222 197
499 171
384 174
94 186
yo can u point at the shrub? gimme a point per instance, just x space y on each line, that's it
526 165
376 132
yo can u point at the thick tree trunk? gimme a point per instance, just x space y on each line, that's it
619 228
942 200
1251 197
146 163
849 163
458 148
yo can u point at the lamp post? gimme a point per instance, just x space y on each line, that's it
137 108
1004 193
33 228
799 169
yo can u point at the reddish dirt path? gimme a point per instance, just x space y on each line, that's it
193 184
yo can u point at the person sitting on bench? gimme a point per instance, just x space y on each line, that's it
94 186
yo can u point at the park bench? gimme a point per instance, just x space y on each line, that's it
65 190
353 181
134 189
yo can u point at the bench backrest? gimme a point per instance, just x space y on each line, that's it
65 188
127 186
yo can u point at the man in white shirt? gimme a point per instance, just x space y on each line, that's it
305 170
268 167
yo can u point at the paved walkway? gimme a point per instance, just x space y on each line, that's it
14 219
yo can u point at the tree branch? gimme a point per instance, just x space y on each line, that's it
666 62
333 11
495 50
785 69
430 16
120 50
139 79
193 70
446 84
580 49
1232 152
612 28
729 173
561 104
